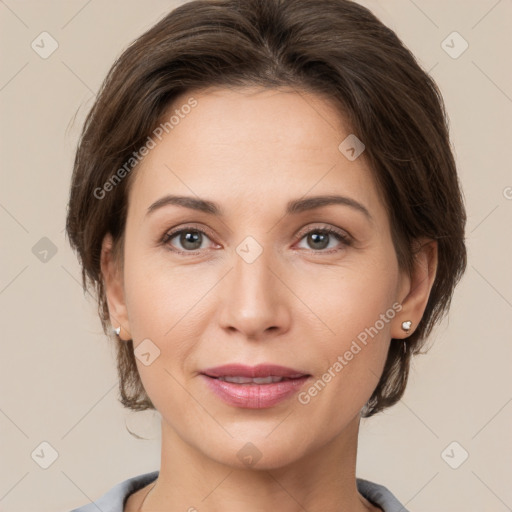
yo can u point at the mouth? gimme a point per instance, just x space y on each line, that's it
261 371
256 380
254 387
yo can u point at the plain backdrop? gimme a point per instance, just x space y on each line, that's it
445 447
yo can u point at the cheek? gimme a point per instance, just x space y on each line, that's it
159 294
160 311
165 305
353 360
358 306
348 298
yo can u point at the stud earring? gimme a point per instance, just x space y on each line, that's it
117 330
406 326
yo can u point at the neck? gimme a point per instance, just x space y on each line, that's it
324 480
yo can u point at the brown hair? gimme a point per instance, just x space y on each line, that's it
334 48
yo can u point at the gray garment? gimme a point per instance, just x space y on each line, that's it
114 499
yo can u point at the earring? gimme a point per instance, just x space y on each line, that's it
117 330
406 326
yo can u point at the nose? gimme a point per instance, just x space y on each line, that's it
255 299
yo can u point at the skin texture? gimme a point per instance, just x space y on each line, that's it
252 150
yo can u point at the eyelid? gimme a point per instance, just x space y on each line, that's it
324 227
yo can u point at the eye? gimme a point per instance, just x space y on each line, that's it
190 238
319 238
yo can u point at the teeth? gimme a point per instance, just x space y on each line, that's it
249 380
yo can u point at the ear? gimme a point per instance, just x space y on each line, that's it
114 288
415 288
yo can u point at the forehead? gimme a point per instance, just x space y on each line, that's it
252 147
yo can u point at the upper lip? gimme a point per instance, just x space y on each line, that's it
260 370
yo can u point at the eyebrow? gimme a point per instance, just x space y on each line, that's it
293 207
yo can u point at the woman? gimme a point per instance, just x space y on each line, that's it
265 199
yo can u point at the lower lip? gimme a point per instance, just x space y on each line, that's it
254 396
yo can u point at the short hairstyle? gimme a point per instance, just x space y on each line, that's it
336 49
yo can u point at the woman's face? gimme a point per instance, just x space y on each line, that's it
258 282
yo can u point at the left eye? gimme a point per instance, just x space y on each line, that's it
320 237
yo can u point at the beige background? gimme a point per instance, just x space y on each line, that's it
57 377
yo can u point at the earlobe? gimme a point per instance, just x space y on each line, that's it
417 289
114 289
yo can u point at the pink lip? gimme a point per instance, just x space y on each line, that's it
254 396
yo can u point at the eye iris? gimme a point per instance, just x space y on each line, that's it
190 237
319 236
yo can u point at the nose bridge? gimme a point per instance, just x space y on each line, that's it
254 300
253 277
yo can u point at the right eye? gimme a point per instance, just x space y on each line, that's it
190 238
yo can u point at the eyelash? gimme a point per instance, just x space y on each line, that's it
325 230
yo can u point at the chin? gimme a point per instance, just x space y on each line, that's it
259 452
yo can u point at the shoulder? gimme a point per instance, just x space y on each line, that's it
115 498
380 496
